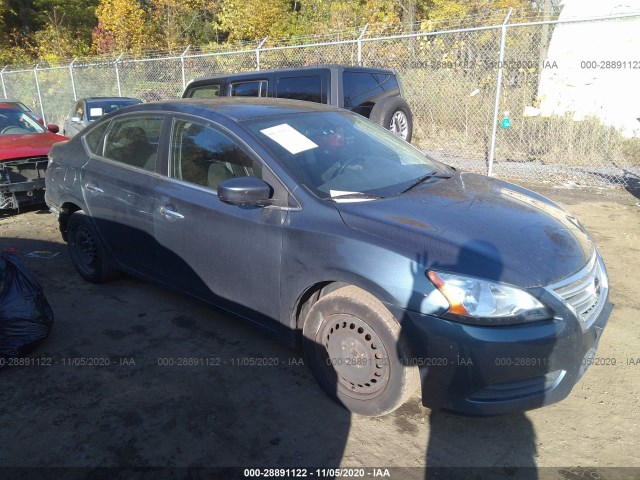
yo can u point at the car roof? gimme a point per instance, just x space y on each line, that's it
233 108
110 98
260 73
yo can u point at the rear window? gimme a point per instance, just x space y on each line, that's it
307 88
209 91
360 88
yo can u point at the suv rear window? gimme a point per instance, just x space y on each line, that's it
307 88
361 89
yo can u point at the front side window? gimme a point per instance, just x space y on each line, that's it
210 91
307 88
134 141
206 156
249 89
79 111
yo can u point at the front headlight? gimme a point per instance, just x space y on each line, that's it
482 302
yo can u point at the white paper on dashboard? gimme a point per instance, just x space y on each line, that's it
289 138
95 112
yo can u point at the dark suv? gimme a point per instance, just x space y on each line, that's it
374 93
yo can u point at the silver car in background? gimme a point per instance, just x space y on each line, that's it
87 110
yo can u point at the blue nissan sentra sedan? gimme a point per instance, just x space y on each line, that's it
392 271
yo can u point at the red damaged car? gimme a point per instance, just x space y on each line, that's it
24 146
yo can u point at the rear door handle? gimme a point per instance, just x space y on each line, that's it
93 188
171 215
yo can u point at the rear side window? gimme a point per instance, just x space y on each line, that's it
307 88
249 89
361 89
206 156
134 141
210 91
93 139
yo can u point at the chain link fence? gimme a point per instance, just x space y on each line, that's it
477 94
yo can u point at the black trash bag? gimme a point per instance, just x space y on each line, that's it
25 313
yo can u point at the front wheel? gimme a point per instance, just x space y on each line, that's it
86 250
357 354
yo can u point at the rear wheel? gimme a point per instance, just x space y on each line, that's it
86 250
394 113
356 352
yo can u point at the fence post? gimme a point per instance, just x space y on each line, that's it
4 88
35 74
73 82
184 80
258 52
364 29
496 107
118 74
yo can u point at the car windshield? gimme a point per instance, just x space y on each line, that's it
343 154
97 108
16 122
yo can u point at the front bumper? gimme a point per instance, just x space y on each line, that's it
488 370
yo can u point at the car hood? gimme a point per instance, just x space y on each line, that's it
27 145
475 225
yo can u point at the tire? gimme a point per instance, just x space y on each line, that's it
87 251
370 379
394 114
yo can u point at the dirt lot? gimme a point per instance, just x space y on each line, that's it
137 412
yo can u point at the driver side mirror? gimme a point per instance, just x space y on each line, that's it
244 191
53 128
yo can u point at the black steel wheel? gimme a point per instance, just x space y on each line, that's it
86 250
355 350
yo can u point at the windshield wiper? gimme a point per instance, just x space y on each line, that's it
425 177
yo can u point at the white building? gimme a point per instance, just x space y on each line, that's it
598 65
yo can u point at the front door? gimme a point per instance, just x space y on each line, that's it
226 254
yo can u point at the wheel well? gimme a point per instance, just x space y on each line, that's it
65 212
310 296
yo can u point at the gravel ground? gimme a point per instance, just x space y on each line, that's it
139 412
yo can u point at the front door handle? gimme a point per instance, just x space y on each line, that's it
171 215
93 188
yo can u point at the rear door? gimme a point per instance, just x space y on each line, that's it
118 189
227 254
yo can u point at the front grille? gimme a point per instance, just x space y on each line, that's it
585 292
26 160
